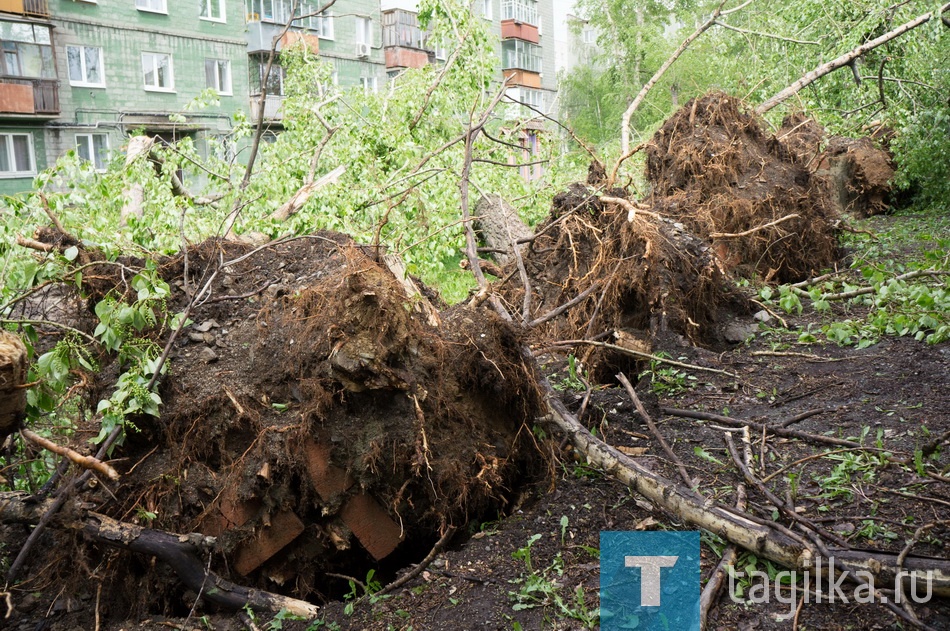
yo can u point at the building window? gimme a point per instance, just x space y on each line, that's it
364 31
85 66
16 155
522 55
278 12
157 72
212 10
93 148
369 84
275 81
322 25
487 9
218 75
520 11
27 50
590 35
153 6
401 28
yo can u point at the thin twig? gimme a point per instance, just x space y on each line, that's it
745 233
553 313
622 378
778 431
421 565
648 356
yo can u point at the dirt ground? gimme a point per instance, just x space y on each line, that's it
536 567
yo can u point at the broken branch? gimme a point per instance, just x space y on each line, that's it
86 462
845 60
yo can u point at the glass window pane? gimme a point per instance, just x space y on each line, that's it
93 71
163 74
31 63
210 73
5 153
21 152
74 62
148 67
82 146
41 33
224 76
100 145
20 32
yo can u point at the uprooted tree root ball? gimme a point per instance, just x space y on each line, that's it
713 168
646 280
317 422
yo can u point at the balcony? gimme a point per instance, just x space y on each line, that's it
271 108
524 11
38 97
29 8
520 55
519 30
403 40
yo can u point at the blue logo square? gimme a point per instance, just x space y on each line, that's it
649 581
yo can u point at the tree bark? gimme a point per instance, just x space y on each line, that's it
499 226
13 370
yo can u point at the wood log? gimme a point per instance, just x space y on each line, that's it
13 370
181 552
499 226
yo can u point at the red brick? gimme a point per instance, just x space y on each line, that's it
372 525
328 480
285 526
231 513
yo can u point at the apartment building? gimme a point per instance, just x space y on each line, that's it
84 74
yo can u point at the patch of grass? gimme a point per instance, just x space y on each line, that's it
667 381
539 587
889 299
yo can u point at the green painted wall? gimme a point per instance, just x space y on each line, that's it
124 33
341 50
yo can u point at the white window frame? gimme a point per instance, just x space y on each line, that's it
82 59
149 9
222 9
171 73
370 85
487 9
11 157
324 29
224 90
364 30
90 138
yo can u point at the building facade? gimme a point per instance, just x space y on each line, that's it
84 74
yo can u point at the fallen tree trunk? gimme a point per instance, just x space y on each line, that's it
847 59
766 539
180 552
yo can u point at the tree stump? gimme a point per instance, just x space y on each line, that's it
13 369
500 227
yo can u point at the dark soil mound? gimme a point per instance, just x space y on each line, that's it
713 168
317 422
802 136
